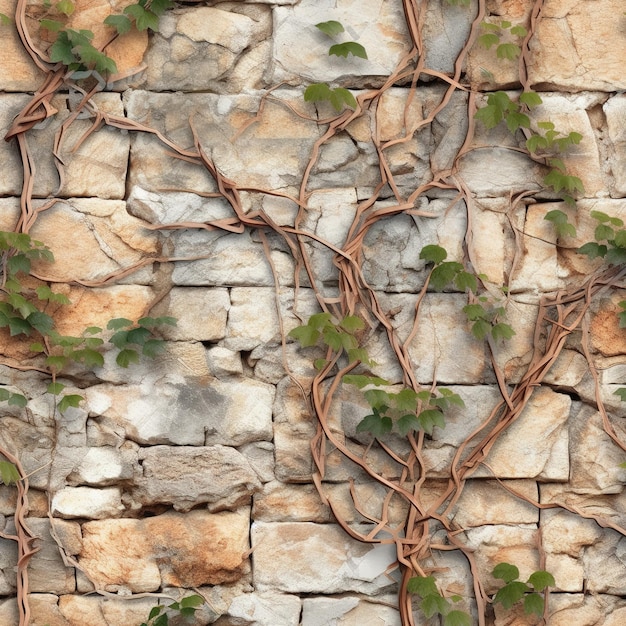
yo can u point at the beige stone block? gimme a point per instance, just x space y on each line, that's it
45 610
91 239
569 51
87 502
321 558
573 608
536 445
347 610
280 502
190 550
607 336
94 610
615 111
266 609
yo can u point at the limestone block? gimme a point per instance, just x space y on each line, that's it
607 337
198 548
104 465
33 445
47 572
577 608
490 242
615 111
201 314
536 445
319 557
8 611
268 154
280 502
90 239
216 475
199 49
266 609
347 610
8 561
252 319
21 72
45 610
260 455
301 50
230 412
503 544
443 346
95 610
485 502
569 53
224 362
87 502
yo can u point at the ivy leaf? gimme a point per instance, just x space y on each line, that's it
502 331
346 48
331 28
533 603
55 388
66 402
616 256
604 232
466 282
119 322
144 19
530 99
126 357
593 250
457 618
488 39
433 604
489 115
5 20
91 358
363 380
511 593
541 579
407 423
621 392
151 322
18 326
192 601
377 398
475 312
153 347
536 142
620 239
519 31
433 254
359 354
158 7
430 418
56 362
91 56
41 321
8 473
444 274
406 400
17 399
515 120
317 92
120 22
333 338
119 339
339 96
138 335
61 50
66 7
422 586
306 335
508 51
18 263
505 572
376 424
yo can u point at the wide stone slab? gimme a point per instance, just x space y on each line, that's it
198 548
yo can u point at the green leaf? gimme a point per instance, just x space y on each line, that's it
41 322
377 398
317 92
363 380
150 322
154 611
475 312
5 20
45 293
120 22
422 586
92 330
505 572
162 620
346 48
92 57
451 397
61 50
621 392
488 39
320 320
533 603
18 326
489 115
152 348
465 281
193 600
430 418
457 618
66 7
519 31
119 322
541 579
375 424
593 250
352 323
515 120
319 364
17 399
432 604
306 335
359 354
55 388
406 400
138 335
333 338
505 24
21 304
126 357
604 232
536 142
52 25
57 362
620 239
433 254
71 400
616 256
144 19
511 593
331 28
120 339
18 263
546 125
8 473
530 99
36 347
443 274
407 423
91 358
502 331
340 96
188 611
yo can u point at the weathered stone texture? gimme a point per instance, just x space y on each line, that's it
189 550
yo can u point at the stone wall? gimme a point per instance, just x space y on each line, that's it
194 472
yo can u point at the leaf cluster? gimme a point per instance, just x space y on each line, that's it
434 603
486 320
611 231
8 473
445 272
515 590
187 607
493 34
144 14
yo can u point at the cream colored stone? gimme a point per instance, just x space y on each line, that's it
347 610
615 111
266 609
45 610
189 550
87 502
94 610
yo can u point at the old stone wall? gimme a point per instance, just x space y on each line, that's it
194 472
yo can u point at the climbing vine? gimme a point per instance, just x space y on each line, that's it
404 413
